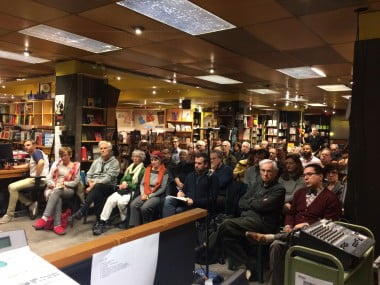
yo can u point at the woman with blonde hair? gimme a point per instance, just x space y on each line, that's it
60 184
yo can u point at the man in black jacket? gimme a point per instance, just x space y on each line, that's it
261 209
195 190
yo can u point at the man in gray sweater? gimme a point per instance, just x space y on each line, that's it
101 179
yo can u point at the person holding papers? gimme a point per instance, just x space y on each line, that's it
194 193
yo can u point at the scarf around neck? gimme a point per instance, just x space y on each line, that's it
161 172
70 175
135 172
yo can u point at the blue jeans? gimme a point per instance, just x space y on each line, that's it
173 206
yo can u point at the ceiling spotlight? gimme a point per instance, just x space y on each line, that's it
212 71
274 104
138 30
12 97
154 92
118 77
333 112
26 53
3 86
295 106
287 103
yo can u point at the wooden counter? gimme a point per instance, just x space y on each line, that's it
12 173
85 250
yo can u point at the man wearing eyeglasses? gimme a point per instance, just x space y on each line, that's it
310 204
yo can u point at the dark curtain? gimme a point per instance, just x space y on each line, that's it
362 205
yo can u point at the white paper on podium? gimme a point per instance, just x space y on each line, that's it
22 266
133 262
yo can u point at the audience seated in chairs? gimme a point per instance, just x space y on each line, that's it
152 189
180 172
101 179
261 209
309 204
125 192
38 166
291 178
221 179
61 182
195 190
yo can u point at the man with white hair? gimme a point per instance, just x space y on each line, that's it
228 158
261 208
245 147
101 179
200 146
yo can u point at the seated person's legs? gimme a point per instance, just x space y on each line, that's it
109 206
172 206
14 195
122 205
277 252
135 218
147 209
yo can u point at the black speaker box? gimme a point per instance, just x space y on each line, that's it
186 104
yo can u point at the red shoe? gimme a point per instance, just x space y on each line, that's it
39 224
49 223
65 217
59 230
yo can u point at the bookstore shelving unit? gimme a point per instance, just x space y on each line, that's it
32 119
181 122
89 116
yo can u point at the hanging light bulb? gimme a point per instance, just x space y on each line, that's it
287 103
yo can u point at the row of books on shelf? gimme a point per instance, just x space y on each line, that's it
92 136
41 138
93 119
180 127
272 123
320 127
44 138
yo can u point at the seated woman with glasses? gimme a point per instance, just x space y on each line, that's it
152 189
61 182
333 183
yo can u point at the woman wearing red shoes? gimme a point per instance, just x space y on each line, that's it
60 184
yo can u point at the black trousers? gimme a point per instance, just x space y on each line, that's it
230 237
98 196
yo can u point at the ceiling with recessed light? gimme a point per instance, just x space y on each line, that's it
250 48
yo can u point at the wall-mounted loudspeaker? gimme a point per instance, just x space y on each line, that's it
186 104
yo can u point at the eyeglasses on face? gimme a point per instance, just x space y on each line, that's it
309 174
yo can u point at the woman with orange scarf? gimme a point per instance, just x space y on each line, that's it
152 189
60 183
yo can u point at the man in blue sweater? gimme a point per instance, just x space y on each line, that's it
195 190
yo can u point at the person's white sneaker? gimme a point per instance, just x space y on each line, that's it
5 219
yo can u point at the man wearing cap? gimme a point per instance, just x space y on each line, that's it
152 189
